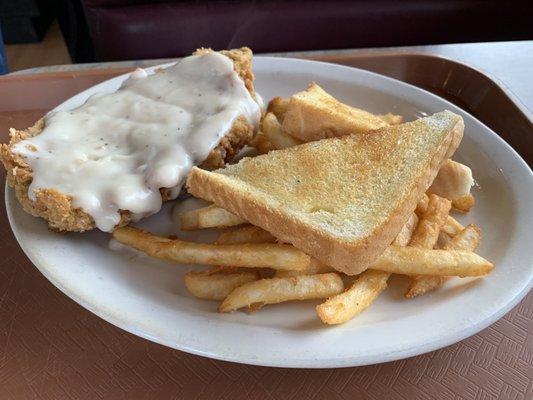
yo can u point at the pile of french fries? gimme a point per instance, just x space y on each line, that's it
251 268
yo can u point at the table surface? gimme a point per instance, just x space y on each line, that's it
52 348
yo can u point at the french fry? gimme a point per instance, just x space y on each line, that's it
426 233
254 234
278 106
452 227
420 285
454 180
468 239
344 306
422 205
463 204
316 267
415 261
245 234
251 255
391 119
271 128
208 217
406 233
443 240
426 236
278 290
217 284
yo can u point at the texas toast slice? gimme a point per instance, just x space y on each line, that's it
341 200
314 114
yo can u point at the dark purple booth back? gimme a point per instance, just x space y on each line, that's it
135 29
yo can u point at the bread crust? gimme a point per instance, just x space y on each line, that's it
56 207
314 114
351 257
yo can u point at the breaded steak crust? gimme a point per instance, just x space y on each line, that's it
56 207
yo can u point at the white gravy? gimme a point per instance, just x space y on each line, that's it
117 150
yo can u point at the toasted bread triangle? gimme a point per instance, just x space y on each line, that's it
341 200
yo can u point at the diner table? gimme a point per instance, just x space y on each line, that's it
53 348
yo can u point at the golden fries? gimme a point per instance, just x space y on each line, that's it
299 277
208 217
422 205
343 307
468 239
452 227
316 267
427 231
415 261
426 236
278 106
252 255
277 290
271 128
245 234
443 240
391 119
404 237
464 204
420 285
218 283
270 135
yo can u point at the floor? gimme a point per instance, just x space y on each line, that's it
50 51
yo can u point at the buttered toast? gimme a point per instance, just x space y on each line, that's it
314 114
341 200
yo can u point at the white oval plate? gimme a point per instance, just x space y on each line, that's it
147 297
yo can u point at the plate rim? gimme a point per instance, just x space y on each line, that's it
292 363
